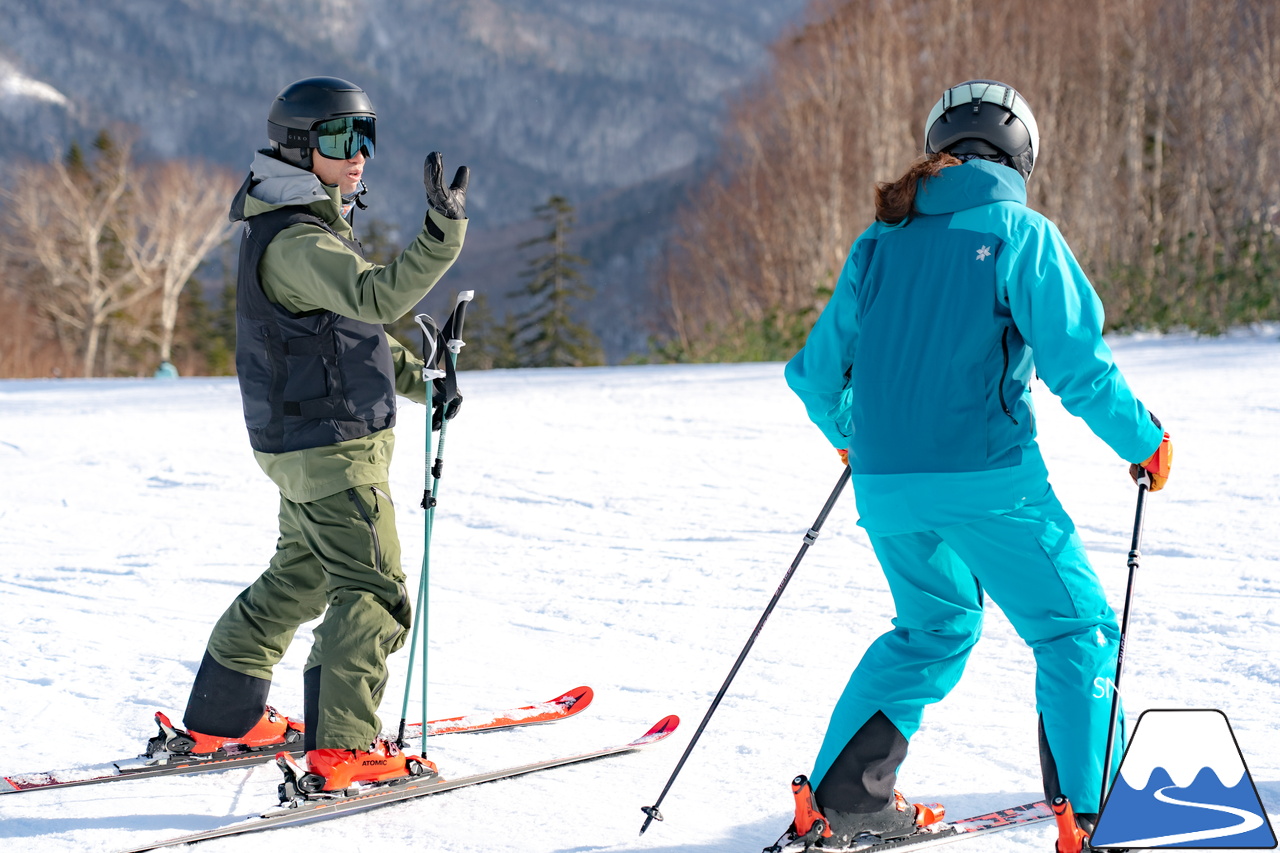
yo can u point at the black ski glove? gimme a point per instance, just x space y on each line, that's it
440 412
451 202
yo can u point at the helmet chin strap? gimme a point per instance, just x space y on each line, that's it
355 196
352 200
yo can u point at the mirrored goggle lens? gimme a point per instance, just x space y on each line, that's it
341 138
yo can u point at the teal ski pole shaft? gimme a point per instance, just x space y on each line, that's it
433 339
430 355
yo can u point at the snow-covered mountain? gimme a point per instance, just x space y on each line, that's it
607 102
581 96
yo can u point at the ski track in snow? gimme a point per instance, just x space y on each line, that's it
618 527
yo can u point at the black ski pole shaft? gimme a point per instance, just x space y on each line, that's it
1135 555
651 812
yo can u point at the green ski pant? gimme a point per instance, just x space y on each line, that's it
342 553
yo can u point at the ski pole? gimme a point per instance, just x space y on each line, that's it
436 344
451 336
430 356
651 812
1144 484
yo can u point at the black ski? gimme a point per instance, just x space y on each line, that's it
310 811
562 707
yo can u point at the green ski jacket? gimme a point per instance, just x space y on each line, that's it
305 268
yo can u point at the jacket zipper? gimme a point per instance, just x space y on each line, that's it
1004 371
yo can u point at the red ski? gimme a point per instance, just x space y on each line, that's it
562 707
943 833
299 811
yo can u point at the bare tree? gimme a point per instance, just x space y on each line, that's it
105 246
1159 121
27 348
62 217
181 217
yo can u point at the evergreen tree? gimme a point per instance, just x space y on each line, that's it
546 334
490 343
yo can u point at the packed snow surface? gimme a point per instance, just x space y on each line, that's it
618 527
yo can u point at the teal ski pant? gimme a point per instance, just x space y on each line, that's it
1033 565
338 556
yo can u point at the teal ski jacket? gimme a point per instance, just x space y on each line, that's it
921 362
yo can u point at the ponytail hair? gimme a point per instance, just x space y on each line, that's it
896 200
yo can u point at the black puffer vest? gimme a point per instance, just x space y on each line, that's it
310 379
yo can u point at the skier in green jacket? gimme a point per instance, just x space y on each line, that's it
318 378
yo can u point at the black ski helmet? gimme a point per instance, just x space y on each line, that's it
304 104
985 111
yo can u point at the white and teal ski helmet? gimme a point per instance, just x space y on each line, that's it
984 118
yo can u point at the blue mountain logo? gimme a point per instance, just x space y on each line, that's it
1183 783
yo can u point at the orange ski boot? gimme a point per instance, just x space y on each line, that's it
1073 829
274 729
810 824
812 830
331 770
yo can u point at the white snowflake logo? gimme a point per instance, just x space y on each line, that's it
984 253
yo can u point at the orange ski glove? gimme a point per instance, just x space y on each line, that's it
844 456
1157 466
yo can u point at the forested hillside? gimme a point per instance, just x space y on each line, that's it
606 103
1159 126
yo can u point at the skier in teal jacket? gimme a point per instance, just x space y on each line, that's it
918 372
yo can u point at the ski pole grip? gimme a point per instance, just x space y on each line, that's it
459 317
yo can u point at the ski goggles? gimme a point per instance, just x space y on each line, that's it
341 138
335 138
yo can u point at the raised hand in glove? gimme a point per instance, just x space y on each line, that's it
451 202
1157 466
439 411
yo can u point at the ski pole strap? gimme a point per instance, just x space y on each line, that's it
430 373
430 346
435 348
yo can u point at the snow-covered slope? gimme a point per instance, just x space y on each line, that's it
619 527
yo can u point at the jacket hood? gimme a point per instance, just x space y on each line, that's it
273 183
971 184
